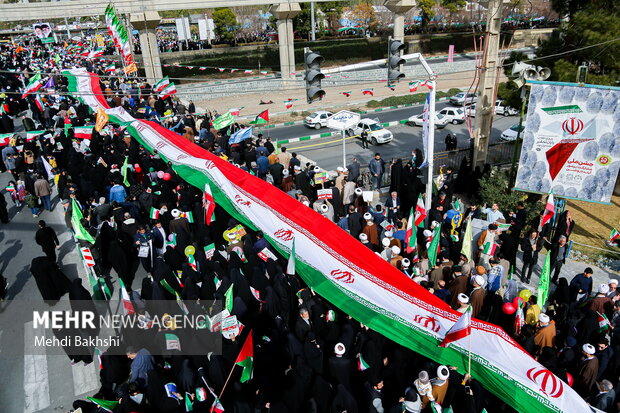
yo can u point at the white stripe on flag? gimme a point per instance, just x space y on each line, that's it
36 382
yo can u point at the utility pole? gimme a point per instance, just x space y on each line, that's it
312 29
489 72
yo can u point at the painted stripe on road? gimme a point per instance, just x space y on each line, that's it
339 140
36 382
330 134
85 377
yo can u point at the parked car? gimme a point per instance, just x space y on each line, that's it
510 134
376 132
502 109
440 120
454 115
470 110
461 98
317 120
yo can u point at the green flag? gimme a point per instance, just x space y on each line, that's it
188 403
108 405
433 249
76 217
224 120
229 298
467 239
543 283
124 171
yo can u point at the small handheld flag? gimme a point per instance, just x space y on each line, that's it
460 329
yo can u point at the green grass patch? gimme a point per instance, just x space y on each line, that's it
409 99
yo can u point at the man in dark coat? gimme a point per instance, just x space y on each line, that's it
47 239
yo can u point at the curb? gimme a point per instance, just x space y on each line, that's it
329 134
365 112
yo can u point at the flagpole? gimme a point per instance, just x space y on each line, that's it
431 147
226 383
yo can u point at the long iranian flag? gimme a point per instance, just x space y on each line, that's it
347 273
119 34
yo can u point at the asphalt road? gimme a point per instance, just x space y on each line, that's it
327 152
42 383
295 131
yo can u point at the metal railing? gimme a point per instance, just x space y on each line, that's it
498 154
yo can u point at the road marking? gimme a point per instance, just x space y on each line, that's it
85 377
321 143
36 382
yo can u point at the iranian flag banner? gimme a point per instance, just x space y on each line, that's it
161 85
614 235
119 34
168 91
420 212
348 274
111 68
127 305
34 85
362 364
83 132
38 100
30 136
460 329
549 212
410 237
245 359
154 213
489 248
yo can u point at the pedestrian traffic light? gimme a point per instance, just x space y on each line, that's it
394 60
313 75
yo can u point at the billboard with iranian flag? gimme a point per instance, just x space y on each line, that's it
571 141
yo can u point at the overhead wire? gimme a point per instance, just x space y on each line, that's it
335 80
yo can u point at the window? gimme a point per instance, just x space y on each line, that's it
375 126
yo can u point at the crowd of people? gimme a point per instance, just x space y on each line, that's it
307 353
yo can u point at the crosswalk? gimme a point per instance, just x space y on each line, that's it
50 381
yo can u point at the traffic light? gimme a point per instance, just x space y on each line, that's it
394 60
313 75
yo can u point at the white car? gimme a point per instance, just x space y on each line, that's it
470 111
461 98
501 109
317 120
440 120
510 134
454 115
376 132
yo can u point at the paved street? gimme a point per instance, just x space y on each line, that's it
327 152
37 383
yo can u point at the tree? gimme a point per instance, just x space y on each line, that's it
333 12
301 22
225 22
590 38
426 11
453 6
363 14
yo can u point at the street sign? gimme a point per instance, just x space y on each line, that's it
343 120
